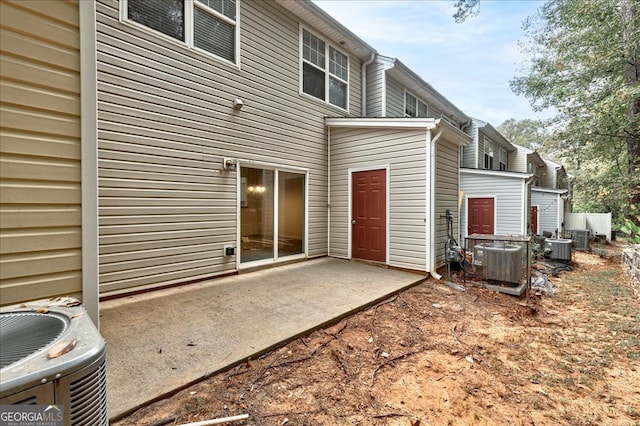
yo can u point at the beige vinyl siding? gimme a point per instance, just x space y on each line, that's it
551 177
404 152
437 113
485 142
166 122
446 187
375 89
518 161
40 168
509 193
548 178
470 152
395 98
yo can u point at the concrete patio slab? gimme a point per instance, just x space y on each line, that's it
165 340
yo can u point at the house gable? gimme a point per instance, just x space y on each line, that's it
489 149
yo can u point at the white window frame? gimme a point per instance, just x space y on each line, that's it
503 159
327 73
426 108
488 150
416 107
188 42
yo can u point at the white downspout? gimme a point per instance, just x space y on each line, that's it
364 83
478 148
328 191
431 206
525 203
561 212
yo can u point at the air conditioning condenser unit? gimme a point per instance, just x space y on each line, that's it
560 248
580 239
503 262
52 354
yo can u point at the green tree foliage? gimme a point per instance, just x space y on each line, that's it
584 64
534 134
466 9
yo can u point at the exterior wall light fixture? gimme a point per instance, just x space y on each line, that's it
230 164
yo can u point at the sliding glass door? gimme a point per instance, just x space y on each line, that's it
272 214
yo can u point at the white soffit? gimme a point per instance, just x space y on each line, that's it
314 16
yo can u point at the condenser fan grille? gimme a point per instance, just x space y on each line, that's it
24 333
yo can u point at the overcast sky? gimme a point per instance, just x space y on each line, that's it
469 63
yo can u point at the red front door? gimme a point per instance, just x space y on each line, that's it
481 216
369 215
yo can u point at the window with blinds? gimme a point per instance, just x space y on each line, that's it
207 25
165 16
503 159
325 71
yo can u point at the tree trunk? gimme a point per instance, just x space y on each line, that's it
628 12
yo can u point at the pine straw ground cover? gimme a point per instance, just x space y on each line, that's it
434 355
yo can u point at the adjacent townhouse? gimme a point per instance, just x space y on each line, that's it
526 160
495 196
149 144
509 189
551 200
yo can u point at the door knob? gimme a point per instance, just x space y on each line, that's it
353 222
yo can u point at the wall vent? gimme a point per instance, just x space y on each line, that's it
75 380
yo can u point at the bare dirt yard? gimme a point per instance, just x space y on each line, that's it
435 355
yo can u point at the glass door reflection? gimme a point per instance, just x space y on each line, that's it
290 214
269 198
257 214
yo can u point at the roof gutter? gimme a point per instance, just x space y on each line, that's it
466 124
363 76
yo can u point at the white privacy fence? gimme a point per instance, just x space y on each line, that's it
597 223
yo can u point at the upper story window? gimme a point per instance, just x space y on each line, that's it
325 71
414 107
208 25
410 109
503 159
488 154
